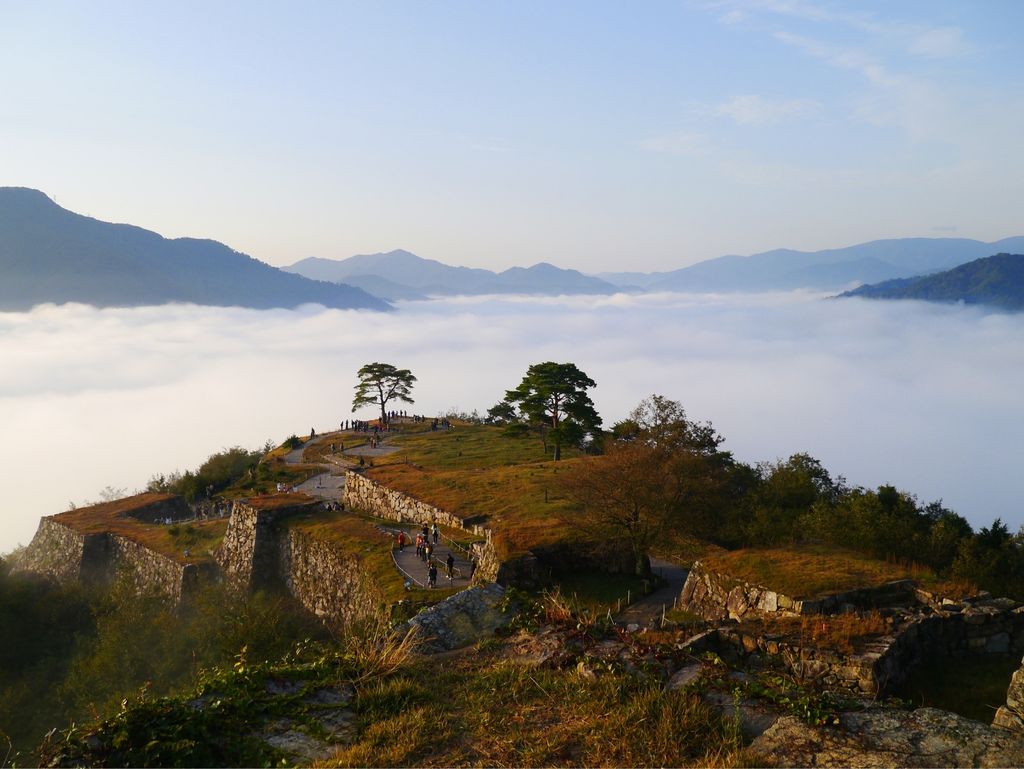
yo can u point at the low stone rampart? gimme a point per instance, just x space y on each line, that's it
716 596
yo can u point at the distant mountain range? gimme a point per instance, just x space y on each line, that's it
997 281
49 254
829 270
403 275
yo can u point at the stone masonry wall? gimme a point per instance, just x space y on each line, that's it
151 571
258 552
718 596
250 551
56 551
325 580
363 493
67 556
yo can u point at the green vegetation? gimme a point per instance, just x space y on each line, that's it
69 655
553 396
381 383
597 591
216 474
995 280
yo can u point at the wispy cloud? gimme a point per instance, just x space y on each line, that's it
756 110
684 144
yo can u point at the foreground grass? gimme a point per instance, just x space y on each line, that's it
484 710
812 571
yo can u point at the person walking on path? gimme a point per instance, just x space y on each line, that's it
434 532
472 569
401 541
432 575
449 563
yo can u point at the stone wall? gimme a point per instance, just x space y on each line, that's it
715 596
362 493
56 551
250 553
325 580
68 556
885 661
259 552
151 571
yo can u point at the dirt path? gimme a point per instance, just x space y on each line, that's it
647 611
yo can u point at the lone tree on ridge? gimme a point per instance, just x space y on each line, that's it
380 383
555 394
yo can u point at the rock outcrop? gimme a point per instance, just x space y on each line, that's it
461 619
888 737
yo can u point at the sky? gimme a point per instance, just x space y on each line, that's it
922 396
595 135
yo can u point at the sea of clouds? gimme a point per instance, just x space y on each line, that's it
926 397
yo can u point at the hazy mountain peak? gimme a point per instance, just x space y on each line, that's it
49 254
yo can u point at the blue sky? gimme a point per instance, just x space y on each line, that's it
593 135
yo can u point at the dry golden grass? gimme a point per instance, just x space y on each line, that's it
812 571
115 518
839 632
481 710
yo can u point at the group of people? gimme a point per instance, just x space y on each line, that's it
426 541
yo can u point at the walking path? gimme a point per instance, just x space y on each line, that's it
648 610
330 487
327 486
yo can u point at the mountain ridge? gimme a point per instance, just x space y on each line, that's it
51 255
995 281
404 275
407 275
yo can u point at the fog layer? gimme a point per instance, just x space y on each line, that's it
926 397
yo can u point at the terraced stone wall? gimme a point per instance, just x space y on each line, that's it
325 580
68 556
362 493
259 552
717 596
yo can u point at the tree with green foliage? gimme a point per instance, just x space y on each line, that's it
554 395
380 383
661 473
